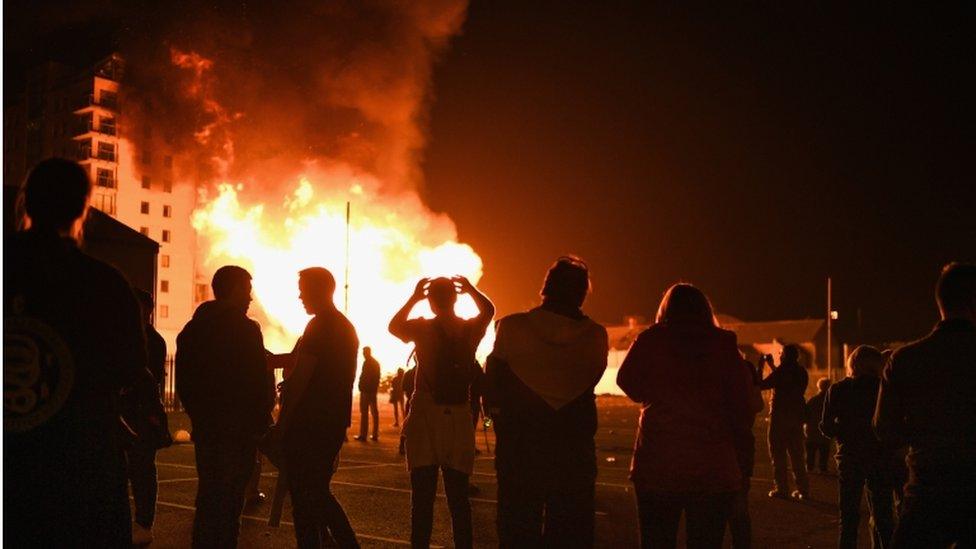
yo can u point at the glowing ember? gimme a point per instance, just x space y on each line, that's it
393 242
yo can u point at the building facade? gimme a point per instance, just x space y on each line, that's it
76 114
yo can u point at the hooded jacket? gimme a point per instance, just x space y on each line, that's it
539 388
696 408
221 374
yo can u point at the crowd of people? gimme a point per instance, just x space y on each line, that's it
82 412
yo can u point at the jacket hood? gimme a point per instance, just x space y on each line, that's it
557 329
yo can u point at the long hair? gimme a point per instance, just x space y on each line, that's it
685 303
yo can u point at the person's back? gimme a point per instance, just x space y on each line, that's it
847 417
327 404
369 380
73 340
789 384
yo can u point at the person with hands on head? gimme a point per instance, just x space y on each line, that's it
438 429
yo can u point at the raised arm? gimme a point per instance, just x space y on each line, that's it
398 325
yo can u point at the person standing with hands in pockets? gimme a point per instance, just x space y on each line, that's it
438 429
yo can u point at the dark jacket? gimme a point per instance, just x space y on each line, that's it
847 414
788 406
814 413
928 401
73 341
696 408
221 374
369 379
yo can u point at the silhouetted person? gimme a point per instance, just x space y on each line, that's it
740 521
141 455
928 402
897 467
369 384
221 379
438 429
541 374
786 416
73 341
396 397
818 446
316 411
696 411
861 459
253 496
409 383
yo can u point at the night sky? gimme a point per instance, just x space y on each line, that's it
751 150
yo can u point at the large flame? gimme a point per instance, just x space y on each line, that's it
392 243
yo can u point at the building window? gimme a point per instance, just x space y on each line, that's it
164 261
164 311
144 207
164 286
168 161
104 202
106 151
167 211
105 178
165 236
146 183
146 157
144 230
201 293
167 186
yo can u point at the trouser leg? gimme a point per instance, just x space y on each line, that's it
851 487
396 413
825 456
881 504
317 512
740 523
375 410
423 489
456 487
797 458
705 519
778 456
363 415
659 517
811 454
521 505
223 470
142 475
569 514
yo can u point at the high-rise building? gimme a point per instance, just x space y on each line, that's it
77 114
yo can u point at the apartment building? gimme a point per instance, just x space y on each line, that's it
76 114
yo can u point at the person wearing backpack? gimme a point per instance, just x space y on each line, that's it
438 429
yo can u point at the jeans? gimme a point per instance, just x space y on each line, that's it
310 461
818 450
740 523
423 483
705 519
367 406
142 477
936 520
853 476
785 442
223 468
535 513
398 411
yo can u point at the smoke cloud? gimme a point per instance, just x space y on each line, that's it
262 92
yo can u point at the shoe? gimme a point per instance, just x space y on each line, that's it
800 496
778 494
141 535
360 438
396 424
374 438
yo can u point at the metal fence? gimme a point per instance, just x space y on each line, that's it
170 400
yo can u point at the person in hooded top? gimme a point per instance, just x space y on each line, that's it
221 379
539 392
696 412
72 342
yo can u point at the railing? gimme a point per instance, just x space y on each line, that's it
106 102
171 402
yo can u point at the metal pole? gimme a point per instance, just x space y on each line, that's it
830 368
346 307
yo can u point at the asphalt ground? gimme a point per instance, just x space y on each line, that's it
374 488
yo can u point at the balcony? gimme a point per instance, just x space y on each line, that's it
91 102
89 129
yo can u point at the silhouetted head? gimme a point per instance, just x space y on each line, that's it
956 291
823 384
567 282
232 285
367 352
399 371
790 354
316 287
865 361
55 196
145 300
685 303
442 295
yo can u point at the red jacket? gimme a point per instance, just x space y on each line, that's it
695 397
